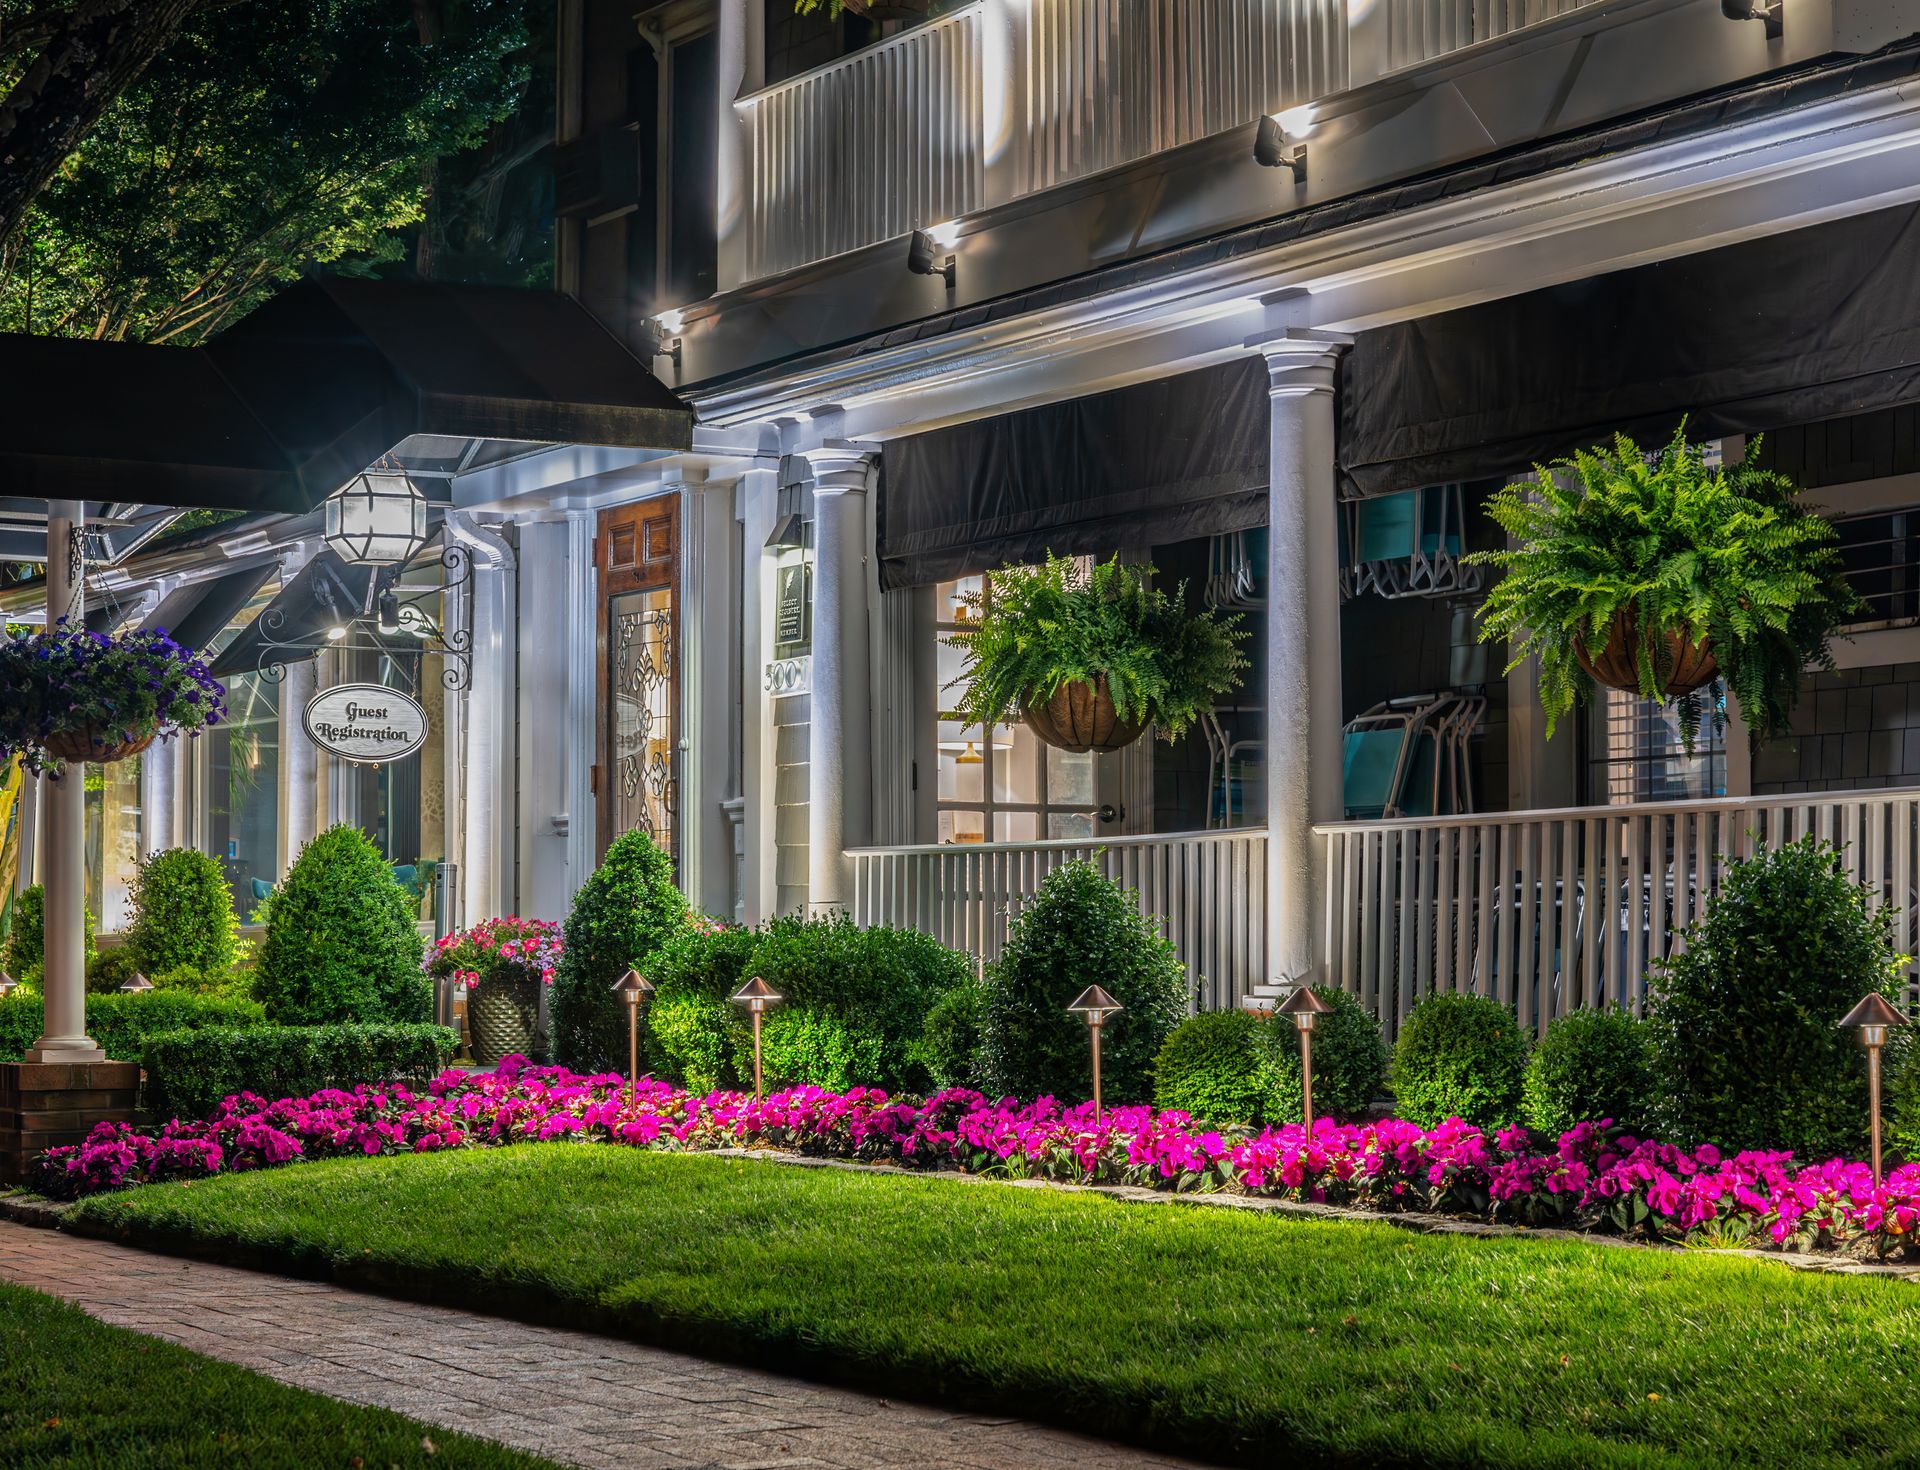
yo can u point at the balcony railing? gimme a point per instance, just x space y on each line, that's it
1207 890
1000 99
1551 911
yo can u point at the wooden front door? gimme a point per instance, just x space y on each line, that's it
637 780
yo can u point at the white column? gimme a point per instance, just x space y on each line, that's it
710 640
487 858
839 757
159 796
740 48
1303 640
299 761
63 825
755 499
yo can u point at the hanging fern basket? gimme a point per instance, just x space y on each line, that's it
91 744
1680 665
1081 717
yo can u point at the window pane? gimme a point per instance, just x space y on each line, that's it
243 802
1016 826
1638 754
1068 825
112 839
1069 777
963 826
1016 765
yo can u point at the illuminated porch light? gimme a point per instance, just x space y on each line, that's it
1277 146
927 256
378 518
1771 12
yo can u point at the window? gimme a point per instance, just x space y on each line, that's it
112 840
1004 784
243 795
1881 552
1635 752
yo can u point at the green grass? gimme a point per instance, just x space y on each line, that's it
1231 1334
77 1392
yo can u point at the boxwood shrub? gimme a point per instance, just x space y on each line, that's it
1349 1063
689 1021
189 1072
1746 1052
1459 1056
341 945
1212 1067
122 1023
625 911
1590 1066
26 939
856 1004
1079 929
950 1042
183 915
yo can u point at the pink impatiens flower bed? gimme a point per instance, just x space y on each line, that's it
1593 1177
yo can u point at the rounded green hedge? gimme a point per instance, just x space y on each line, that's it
1213 1068
950 1042
1349 1063
183 915
1590 1066
1746 1049
625 911
1459 1056
1079 929
690 1020
26 939
341 945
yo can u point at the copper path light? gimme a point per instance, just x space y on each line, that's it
632 986
1096 1005
1303 1006
1873 1016
136 983
756 995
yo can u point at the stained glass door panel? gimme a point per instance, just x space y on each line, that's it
640 637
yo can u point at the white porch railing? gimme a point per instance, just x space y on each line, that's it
868 147
1554 910
1207 889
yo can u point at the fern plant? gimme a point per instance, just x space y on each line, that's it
1034 629
1727 557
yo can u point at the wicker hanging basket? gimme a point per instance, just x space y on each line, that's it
90 744
1682 666
1081 717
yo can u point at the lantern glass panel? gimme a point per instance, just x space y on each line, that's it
377 519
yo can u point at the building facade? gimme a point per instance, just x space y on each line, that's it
1268 293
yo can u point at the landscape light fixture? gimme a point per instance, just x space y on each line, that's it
1873 1016
1772 12
135 983
632 986
1281 141
1303 1006
757 996
1096 1005
378 518
930 253
661 335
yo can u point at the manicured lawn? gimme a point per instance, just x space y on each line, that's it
1216 1331
76 1392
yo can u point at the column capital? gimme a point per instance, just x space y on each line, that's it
841 466
1300 359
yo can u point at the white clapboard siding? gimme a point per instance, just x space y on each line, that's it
1423 30
1206 890
1553 910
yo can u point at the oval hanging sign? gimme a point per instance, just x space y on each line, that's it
366 723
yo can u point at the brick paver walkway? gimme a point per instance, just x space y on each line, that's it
573 1396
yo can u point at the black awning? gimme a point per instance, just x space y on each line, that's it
325 593
280 409
219 603
1814 324
1141 466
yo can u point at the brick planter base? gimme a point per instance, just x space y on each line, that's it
45 1104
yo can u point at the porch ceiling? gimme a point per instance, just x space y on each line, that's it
285 406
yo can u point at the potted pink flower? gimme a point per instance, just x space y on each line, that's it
503 963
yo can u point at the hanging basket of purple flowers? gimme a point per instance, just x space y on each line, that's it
72 695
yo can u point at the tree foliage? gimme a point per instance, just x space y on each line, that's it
1037 628
1728 556
266 140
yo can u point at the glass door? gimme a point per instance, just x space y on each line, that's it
637 783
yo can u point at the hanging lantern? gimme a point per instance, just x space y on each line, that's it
378 518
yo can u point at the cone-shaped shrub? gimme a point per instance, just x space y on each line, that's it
183 915
341 945
620 916
1080 929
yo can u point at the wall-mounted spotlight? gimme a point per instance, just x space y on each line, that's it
661 334
1281 141
1772 12
929 252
